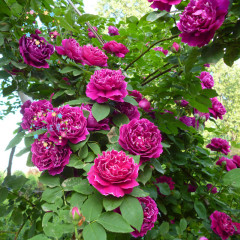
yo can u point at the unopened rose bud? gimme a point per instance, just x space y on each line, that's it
76 214
175 47
145 104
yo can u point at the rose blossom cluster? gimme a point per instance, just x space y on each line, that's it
164 4
229 163
86 55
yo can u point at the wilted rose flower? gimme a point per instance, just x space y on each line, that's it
219 145
35 115
107 84
164 4
35 50
191 188
117 48
48 156
150 213
189 121
113 31
70 48
206 80
175 47
25 105
129 110
222 224
90 33
141 137
200 20
217 110
54 34
67 123
236 160
93 56
114 173
136 94
145 105
92 124
160 49
213 189
230 164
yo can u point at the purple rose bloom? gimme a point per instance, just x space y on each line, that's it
182 103
164 4
200 20
222 224
67 123
114 173
189 121
145 105
70 48
160 49
204 116
93 56
206 80
35 50
90 33
136 94
217 110
25 105
191 188
129 110
230 164
141 137
219 145
35 115
236 160
213 189
92 124
113 31
206 65
48 156
107 84
150 213
117 48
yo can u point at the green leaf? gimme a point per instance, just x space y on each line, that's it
78 101
145 175
15 141
49 180
183 224
38 132
51 194
100 111
15 182
77 200
29 160
39 237
75 162
94 231
3 194
200 209
232 178
19 65
87 17
138 192
58 94
69 183
212 53
17 216
83 152
157 166
164 228
92 208
110 203
120 119
23 151
76 147
53 230
153 16
131 100
114 222
95 148
83 187
164 188
132 212
162 208
191 59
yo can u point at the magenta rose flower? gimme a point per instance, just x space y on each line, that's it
206 65
145 105
200 20
213 189
141 137
107 84
191 188
114 173
67 123
34 116
160 49
129 110
150 213
204 116
219 145
92 124
189 121
182 103
117 48
217 110
222 224
90 33
164 4
70 48
113 31
206 80
175 47
35 50
203 238
136 94
25 105
236 160
230 164
48 156
93 56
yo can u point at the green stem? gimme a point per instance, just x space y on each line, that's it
19 230
162 40
76 233
155 71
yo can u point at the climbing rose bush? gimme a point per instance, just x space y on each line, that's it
114 173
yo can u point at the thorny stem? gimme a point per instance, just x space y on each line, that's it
19 230
158 75
162 40
155 71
